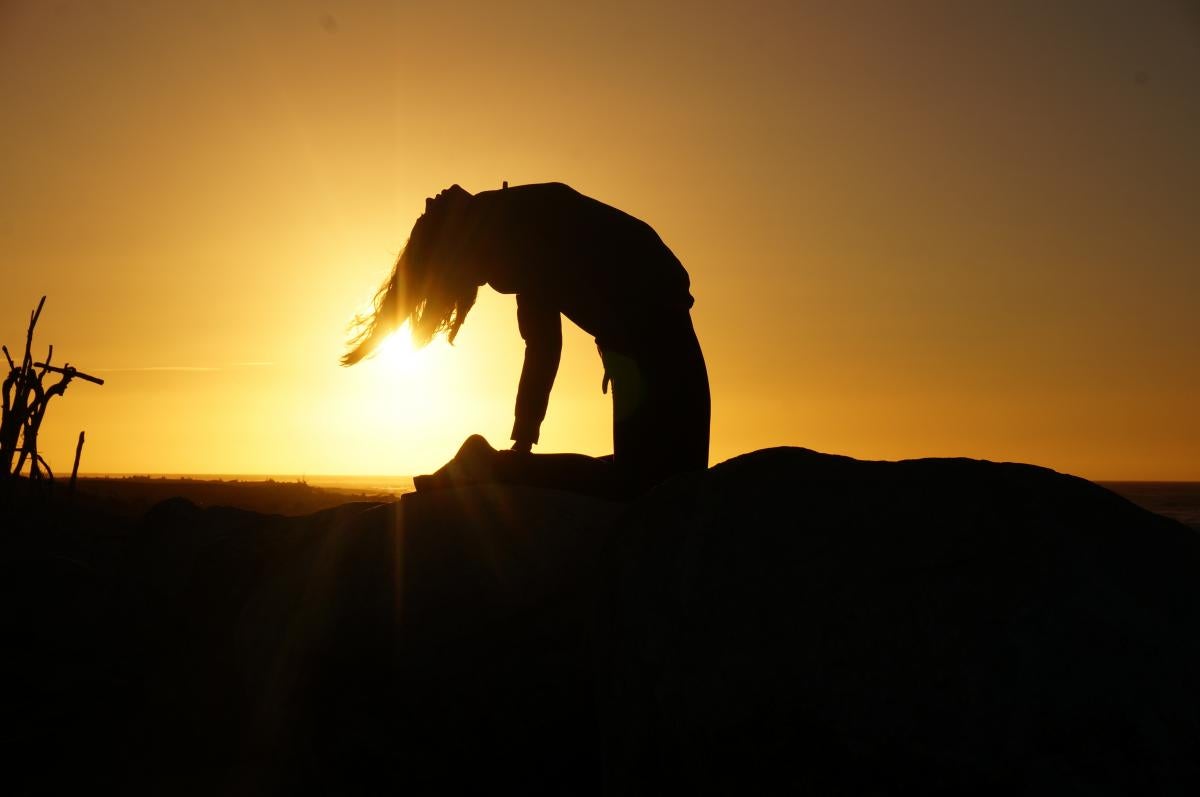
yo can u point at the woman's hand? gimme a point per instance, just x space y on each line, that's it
522 446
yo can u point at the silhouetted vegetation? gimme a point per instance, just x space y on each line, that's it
25 398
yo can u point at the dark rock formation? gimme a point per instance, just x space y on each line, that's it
811 622
788 621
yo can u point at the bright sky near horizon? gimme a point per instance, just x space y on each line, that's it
913 229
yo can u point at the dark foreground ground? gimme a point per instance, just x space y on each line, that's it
788 621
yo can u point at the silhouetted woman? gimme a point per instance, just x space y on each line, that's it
563 254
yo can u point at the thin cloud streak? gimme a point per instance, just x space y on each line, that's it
184 368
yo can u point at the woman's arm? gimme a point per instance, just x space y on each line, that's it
541 328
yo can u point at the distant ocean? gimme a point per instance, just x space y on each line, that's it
1178 500
394 485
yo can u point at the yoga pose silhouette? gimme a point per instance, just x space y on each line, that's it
562 254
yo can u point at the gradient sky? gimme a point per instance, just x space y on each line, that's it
913 228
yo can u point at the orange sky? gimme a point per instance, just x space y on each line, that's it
913 229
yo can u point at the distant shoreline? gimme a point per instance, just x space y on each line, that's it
132 495
391 485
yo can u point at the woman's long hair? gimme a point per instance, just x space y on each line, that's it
432 296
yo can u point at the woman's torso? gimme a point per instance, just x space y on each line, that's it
605 270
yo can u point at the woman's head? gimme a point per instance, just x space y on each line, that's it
433 285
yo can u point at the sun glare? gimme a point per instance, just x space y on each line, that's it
397 352
410 398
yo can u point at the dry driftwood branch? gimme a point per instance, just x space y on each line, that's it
38 469
70 372
33 319
75 467
25 399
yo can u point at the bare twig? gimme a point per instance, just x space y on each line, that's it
33 319
75 467
70 372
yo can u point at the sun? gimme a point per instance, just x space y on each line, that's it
399 357
398 353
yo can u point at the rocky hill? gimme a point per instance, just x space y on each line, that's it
786 621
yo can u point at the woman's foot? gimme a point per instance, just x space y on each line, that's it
474 463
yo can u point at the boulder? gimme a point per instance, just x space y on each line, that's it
797 622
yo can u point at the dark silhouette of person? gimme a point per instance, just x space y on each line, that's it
562 254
